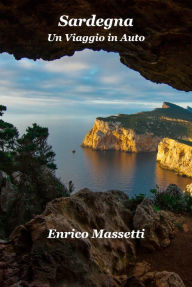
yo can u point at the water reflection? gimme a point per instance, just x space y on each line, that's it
130 172
110 168
99 171
165 177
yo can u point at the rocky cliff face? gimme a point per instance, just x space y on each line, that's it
31 259
161 58
176 155
188 188
112 136
140 132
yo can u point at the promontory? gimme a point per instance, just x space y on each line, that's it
140 132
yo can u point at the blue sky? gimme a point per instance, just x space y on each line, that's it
89 84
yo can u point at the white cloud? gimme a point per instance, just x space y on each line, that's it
27 64
18 100
84 89
87 80
123 102
61 66
113 79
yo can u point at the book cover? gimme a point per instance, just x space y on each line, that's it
95 143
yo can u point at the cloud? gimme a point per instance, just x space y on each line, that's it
114 79
65 66
27 64
86 84
84 89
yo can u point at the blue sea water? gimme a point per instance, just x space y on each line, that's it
100 170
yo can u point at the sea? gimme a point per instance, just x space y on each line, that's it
133 173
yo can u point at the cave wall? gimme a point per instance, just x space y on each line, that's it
164 57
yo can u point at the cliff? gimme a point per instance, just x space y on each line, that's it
112 136
139 132
176 155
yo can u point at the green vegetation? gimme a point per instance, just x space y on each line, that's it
172 122
27 153
27 174
185 142
172 199
133 202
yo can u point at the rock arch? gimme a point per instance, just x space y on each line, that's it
165 56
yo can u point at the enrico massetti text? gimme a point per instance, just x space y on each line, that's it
102 233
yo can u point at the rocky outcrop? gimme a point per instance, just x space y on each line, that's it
25 26
159 226
140 132
188 188
31 259
162 279
145 277
106 135
166 105
175 155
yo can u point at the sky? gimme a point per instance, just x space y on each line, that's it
89 84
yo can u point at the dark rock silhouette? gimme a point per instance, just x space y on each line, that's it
164 57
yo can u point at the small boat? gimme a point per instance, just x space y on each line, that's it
73 151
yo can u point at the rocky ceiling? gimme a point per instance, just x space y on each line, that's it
164 57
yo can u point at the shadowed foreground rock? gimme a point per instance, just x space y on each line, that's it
164 57
31 259
143 276
159 226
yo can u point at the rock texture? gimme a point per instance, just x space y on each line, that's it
165 56
140 132
162 279
159 226
175 155
31 259
188 188
73 262
145 277
112 136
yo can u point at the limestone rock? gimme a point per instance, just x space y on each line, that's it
140 132
188 188
175 155
165 105
159 226
112 136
